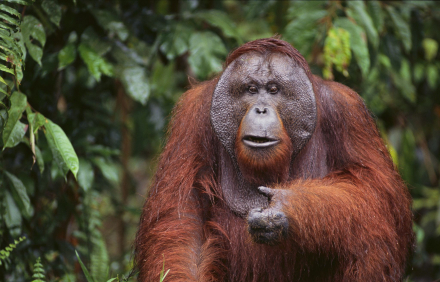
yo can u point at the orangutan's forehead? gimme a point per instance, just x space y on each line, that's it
272 64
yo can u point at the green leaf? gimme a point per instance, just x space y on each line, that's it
403 81
20 191
112 23
221 20
358 43
21 2
302 30
110 170
40 159
359 13
376 14
336 51
160 82
135 82
401 26
176 41
14 136
10 10
12 213
14 130
419 72
86 174
84 269
32 31
9 19
66 56
432 75
431 48
207 53
62 150
90 38
53 10
96 64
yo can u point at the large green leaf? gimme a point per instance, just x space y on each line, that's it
32 31
96 64
66 56
358 43
12 213
176 41
14 130
302 30
110 170
111 22
401 27
53 10
207 54
90 38
135 82
62 150
221 20
376 14
21 193
359 13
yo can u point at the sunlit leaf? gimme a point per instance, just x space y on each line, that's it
14 130
431 48
62 150
207 54
336 52
358 43
96 64
53 10
22 196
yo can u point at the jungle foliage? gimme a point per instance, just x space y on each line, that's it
86 88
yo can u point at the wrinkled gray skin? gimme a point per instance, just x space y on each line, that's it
233 100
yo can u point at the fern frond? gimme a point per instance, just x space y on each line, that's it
12 53
38 272
4 254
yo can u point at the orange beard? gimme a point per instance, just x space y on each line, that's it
263 166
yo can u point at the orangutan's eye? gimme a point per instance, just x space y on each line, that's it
273 90
253 89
